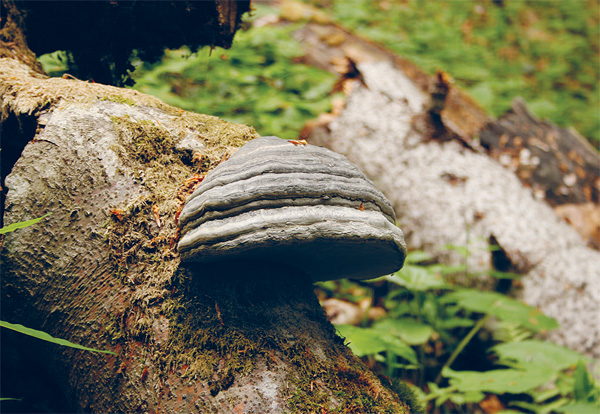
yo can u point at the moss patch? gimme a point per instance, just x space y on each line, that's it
143 234
26 92
233 319
144 141
119 99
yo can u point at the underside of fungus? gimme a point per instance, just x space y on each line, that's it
298 204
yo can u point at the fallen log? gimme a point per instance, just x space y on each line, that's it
447 189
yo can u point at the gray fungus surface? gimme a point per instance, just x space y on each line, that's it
302 205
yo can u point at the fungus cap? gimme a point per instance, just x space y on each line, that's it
299 204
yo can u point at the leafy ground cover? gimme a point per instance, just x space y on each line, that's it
467 350
257 82
545 51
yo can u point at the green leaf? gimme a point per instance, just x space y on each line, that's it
452 323
542 108
503 308
10 399
399 348
46 337
498 381
368 341
418 256
409 330
584 385
362 341
579 408
504 275
462 250
533 353
541 408
22 224
482 93
541 396
467 397
417 278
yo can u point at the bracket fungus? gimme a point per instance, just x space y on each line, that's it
293 203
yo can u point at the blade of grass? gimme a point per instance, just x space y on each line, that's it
47 337
21 224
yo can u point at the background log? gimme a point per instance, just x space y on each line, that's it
445 187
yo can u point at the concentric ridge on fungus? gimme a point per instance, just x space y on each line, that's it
302 205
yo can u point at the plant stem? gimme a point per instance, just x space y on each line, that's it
462 345
390 361
447 390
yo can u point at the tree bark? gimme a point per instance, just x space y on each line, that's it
114 167
414 136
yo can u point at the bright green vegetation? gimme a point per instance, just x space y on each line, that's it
255 83
464 346
545 51
22 224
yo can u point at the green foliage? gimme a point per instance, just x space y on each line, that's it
545 51
502 307
427 311
535 354
55 63
369 341
48 338
256 82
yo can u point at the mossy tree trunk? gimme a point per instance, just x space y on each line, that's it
114 167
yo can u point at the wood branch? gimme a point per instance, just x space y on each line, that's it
446 189
559 165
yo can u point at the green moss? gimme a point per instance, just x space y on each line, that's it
144 141
411 395
119 99
143 233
